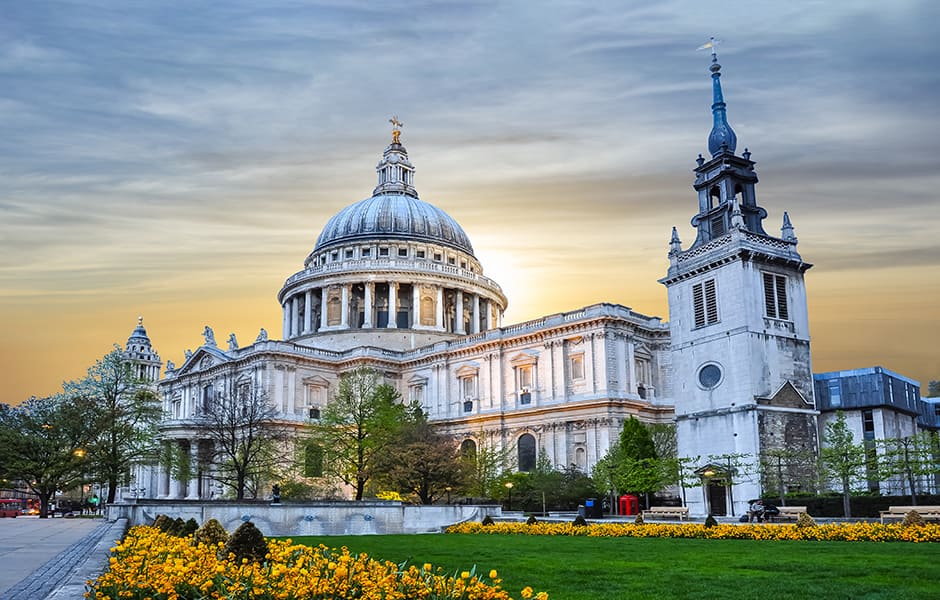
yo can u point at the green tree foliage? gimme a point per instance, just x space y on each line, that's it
933 389
421 460
776 465
485 465
43 444
910 459
125 416
247 440
633 465
842 459
358 427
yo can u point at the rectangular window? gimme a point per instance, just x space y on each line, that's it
365 252
451 260
705 303
419 253
468 387
383 251
868 424
437 256
775 296
835 393
349 253
403 252
576 366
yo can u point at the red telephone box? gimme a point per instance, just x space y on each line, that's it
629 504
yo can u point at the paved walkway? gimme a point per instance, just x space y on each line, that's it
37 556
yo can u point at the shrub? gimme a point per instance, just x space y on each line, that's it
531 520
913 518
487 521
210 534
710 521
176 527
639 519
162 522
804 520
579 521
189 528
247 543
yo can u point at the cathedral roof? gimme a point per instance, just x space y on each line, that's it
394 216
394 211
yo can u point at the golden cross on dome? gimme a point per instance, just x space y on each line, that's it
396 129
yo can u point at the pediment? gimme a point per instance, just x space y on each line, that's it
203 359
417 380
786 396
469 369
316 381
526 357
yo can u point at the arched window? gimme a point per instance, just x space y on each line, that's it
526 446
468 449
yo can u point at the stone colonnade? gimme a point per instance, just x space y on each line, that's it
197 484
366 305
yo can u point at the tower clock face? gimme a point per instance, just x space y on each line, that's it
709 376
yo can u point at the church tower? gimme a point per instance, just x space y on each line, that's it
743 384
141 354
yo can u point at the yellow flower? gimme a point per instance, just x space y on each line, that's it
526 592
493 574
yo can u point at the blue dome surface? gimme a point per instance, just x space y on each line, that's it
393 216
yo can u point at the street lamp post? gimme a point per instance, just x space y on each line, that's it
448 489
509 487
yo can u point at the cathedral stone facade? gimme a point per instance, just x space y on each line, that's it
393 284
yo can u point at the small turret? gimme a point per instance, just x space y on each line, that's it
138 350
395 172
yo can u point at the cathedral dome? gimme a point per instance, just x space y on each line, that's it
393 216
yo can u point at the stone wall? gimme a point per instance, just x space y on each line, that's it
312 518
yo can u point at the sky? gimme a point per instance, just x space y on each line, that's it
177 160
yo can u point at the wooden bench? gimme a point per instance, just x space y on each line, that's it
790 512
928 513
664 512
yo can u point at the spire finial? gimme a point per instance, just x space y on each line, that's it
396 129
675 244
786 232
140 321
722 138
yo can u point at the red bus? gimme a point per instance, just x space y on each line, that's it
12 507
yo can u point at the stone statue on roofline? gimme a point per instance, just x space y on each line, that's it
209 335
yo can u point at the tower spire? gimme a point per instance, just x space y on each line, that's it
722 138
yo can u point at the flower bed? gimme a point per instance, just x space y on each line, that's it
150 564
842 532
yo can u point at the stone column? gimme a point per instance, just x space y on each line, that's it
631 365
415 306
294 315
489 314
193 493
368 294
475 325
173 489
285 330
344 307
392 304
308 311
439 317
458 313
323 320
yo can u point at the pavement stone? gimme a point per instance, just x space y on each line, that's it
81 548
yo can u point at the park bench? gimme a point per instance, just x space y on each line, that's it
664 512
928 513
790 512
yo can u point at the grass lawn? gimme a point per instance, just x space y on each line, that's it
580 568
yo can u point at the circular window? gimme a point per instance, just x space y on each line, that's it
709 376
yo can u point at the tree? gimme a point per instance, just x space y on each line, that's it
842 458
933 389
421 460
247 439
633 464
776 465
357 427
910 459
485 464
126 412
43 443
